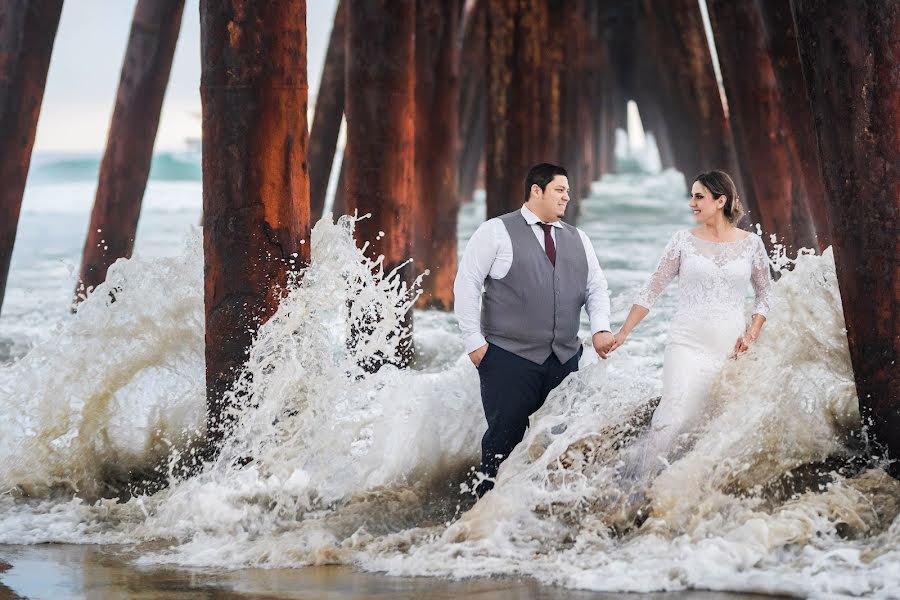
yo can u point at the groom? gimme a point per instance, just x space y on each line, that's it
521 333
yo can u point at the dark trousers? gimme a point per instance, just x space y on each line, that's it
512 389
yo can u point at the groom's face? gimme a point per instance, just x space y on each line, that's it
552 201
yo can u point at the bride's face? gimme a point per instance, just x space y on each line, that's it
706 208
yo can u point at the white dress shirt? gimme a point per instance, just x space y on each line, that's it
489 253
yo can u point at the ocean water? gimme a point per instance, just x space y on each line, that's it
329 464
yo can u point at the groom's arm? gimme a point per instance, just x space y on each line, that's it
597 294
474 268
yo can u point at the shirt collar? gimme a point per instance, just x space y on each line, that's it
532 219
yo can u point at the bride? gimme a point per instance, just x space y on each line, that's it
714 262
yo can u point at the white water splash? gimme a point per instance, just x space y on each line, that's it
365 468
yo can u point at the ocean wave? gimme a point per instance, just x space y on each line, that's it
63 168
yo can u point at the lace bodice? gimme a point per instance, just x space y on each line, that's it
712 276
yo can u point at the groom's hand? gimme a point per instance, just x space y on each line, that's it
603 342
477 355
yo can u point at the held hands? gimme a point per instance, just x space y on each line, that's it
620 338
604 343
477 355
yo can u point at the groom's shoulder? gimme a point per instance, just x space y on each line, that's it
585 238
489 227
574 229
498 222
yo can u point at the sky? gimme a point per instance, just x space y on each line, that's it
87 61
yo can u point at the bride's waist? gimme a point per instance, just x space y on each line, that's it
710 312
704 320
714 333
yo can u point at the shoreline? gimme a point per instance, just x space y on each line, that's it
87 571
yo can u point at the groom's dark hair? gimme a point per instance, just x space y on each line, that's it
541 175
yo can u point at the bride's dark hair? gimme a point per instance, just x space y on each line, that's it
719 183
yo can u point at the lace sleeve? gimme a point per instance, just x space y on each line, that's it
665 272
761 280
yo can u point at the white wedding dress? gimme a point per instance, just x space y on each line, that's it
713 284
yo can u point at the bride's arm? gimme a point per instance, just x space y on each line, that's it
666 271
762 290
635 315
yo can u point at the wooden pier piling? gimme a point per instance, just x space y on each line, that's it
770 167
380 112
472 98
132 133
255 178
436 152
686 86
781 40
517 128
27 33
849 51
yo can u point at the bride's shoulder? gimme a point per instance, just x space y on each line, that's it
751 237
681 234
677 241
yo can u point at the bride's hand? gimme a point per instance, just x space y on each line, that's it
743 343
618 340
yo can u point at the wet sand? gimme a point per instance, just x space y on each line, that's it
52 571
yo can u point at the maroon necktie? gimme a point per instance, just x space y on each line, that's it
549 246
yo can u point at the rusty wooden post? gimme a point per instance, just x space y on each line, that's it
771 171
380 112
575 146
472 98
380 109
620 25
27 32
517 99
329 111
132 133
849 51
686 85
781 39
553 71
255 179
436 153
597 74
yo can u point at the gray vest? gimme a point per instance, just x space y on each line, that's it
536 308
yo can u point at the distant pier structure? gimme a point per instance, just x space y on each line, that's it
441 97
